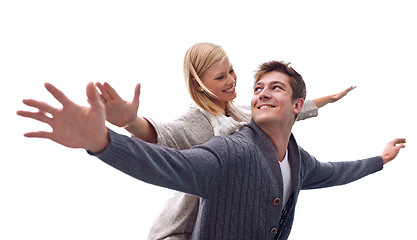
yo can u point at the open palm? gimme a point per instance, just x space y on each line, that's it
72 125
118 111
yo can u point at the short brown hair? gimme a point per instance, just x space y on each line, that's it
296 80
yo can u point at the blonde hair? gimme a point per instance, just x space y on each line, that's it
197 60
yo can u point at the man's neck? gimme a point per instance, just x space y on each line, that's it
280 137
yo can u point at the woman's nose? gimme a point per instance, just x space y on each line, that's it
231 79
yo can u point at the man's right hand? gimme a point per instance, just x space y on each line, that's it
73 126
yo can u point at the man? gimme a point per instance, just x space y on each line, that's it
248 182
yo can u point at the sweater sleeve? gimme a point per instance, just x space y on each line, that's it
162 166
327 174
191 129
309 110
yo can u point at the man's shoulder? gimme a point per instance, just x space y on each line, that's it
234 142
305 156
245 134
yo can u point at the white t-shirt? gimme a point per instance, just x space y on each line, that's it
286 177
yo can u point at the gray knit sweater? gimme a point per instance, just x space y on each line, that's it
237 178
177 219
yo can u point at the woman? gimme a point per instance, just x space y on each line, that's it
211 82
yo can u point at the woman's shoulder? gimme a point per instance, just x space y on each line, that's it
190 129
195 114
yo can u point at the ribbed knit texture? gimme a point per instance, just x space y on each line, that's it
237 177
239 205
176 220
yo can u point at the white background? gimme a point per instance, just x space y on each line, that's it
52 192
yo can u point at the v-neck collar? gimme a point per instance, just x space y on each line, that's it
264 143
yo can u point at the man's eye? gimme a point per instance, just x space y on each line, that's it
257 89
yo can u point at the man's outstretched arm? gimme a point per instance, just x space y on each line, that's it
75 126
327 174
162 166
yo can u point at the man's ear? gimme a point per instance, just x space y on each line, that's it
196 85
298 105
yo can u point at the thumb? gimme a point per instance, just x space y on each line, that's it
137 94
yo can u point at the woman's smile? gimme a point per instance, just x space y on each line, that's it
230 90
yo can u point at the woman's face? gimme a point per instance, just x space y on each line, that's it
220 79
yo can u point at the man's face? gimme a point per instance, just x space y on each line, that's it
272 100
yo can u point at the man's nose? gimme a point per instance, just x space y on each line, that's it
264 94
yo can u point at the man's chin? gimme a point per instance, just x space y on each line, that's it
264 120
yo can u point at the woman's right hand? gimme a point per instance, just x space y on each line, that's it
118 111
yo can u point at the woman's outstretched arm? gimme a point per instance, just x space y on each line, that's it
321 102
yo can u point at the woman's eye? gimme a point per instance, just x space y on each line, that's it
231 71
257 89
219 78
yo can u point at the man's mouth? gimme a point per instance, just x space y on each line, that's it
266 106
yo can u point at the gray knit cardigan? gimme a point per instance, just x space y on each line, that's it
237 178
177 219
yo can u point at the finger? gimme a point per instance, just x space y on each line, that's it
58 94
350 89
398 141
397 148
40 134
113 94
93 96
137 94
346 91
37 116
99 86
104 94
42 106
